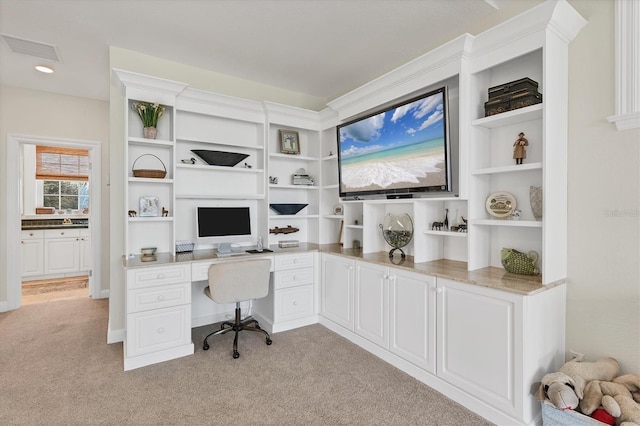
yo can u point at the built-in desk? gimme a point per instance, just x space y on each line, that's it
165 298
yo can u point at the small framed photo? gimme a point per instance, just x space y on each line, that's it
149 206
289 142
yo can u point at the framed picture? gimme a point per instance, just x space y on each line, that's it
289 142
149 206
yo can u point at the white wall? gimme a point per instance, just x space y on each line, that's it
603 309
43 114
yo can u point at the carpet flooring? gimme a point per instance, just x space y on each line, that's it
57 369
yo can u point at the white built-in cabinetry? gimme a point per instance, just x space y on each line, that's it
55 252
32 246
158 319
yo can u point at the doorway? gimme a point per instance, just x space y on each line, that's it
15 208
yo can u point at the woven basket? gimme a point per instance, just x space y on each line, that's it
149 173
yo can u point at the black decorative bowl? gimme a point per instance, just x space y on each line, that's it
288 208
220 158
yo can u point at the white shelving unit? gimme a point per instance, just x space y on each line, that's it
154 154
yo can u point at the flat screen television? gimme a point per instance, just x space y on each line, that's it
403 149
220 225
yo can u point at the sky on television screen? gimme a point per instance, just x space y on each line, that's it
415 122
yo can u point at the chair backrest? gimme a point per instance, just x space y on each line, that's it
231 282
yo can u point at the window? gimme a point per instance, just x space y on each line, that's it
64 194
64 173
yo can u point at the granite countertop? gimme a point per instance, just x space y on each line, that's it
491 277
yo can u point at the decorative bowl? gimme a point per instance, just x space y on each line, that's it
148 251
220 158
287 208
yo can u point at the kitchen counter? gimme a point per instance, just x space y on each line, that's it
55 222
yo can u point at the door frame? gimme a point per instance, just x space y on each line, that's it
14 164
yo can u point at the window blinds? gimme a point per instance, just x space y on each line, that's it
59 163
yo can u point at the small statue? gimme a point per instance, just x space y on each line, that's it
133 213
165 212
520 148
445 222
247 166
189 161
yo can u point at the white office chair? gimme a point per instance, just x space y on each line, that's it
235 282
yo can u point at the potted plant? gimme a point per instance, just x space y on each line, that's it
149 113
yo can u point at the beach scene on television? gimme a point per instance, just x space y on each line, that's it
400 148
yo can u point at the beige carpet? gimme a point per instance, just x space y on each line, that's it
57 369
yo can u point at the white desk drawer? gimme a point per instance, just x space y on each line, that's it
144 299
293 261
147 277
293 303
200 271
293 278
153 331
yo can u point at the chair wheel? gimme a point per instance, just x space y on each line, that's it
269 341
236 354
205 347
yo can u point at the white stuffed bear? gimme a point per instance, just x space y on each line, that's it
565 388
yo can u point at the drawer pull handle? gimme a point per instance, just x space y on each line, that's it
438 290
295 303
161 298
160 276
160 330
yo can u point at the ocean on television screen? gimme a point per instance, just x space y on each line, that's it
388 173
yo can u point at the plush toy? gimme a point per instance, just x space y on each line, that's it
565 388
616 397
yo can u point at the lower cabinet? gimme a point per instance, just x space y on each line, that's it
32 246
158 320
337 290
412 316
371 301
290 302
61 251
482 347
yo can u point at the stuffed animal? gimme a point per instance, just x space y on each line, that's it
565 388
615 397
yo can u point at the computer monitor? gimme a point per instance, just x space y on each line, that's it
223 225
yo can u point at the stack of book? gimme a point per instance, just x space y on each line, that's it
302 180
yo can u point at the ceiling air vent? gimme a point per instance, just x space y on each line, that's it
32 48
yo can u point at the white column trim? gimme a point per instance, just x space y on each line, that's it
627 57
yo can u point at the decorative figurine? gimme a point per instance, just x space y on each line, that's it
165 212
520 148
133 213
445 222
247 166
189 161
273 180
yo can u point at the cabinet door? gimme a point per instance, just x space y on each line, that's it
371 303
337 290
478 346
412 317
61 255
32 257
85 253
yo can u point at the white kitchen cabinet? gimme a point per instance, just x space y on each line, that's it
85 250
337 290
412 318
61 251
158 320
32 246
371 302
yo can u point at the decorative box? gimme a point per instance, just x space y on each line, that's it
184 246
513 86
551 416
513 95
524 98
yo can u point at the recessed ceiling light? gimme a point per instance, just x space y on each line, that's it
44 69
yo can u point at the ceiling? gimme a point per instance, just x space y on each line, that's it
321 48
